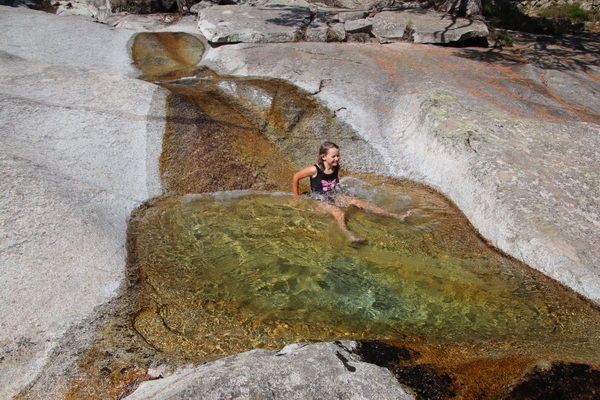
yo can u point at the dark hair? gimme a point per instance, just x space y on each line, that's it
325 147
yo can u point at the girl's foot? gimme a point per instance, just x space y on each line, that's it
354 238
405 215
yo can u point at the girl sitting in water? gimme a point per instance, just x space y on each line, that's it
323 185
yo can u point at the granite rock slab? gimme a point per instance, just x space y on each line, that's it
271 22
77 137
297 372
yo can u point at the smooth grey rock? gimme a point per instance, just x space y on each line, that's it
350 15
297 372
425 26
71 41
78 152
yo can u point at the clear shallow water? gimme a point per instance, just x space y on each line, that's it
241 270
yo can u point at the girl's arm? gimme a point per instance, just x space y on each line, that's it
305 173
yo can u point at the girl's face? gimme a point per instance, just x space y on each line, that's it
332 158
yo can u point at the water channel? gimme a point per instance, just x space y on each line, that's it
228 261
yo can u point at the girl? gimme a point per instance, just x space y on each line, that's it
323 184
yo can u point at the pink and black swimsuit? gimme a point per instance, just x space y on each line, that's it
324 184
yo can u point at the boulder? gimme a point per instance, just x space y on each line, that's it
425 26
350 15
359 25
297 372
281 21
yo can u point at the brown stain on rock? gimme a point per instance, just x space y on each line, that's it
213 143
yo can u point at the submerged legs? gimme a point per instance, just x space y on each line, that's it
345 201
340 216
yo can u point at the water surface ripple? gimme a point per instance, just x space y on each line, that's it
239 270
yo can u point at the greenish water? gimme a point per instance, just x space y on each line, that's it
240 270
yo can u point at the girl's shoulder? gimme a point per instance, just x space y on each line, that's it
308 171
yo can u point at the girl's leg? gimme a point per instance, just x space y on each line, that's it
370 207
340 218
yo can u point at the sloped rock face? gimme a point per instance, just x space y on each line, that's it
69 133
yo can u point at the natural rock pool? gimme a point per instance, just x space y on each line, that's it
229 272
228 261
